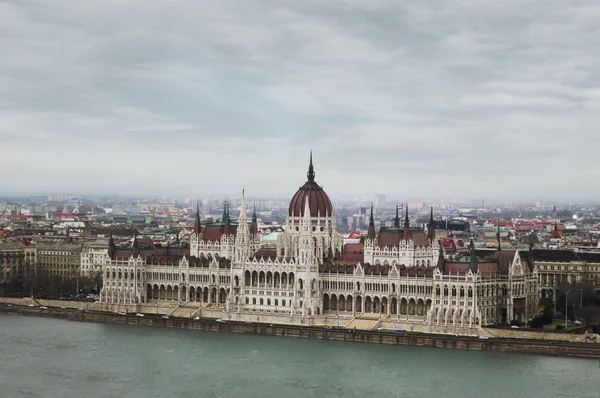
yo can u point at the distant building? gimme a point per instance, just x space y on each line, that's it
453 225
93 256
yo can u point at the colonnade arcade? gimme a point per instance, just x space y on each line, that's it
375 304
199 294
270 279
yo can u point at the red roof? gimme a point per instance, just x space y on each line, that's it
213 233
503 223
356 248
318 201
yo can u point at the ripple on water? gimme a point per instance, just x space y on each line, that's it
48 358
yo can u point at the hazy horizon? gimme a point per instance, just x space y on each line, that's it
456 99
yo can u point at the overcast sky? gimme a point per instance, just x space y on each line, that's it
448 98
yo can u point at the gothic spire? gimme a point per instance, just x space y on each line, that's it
473 263
243 216
431 227
197 222
498 234
135 244
311 171
224 215
441 259
406 233
111 245
371 231
397 218
254 223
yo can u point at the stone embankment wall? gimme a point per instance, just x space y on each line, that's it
303 331
538 335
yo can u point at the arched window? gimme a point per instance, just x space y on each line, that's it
453 291
445 290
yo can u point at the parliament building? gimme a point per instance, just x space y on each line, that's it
397 274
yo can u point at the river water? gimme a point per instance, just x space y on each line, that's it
45 357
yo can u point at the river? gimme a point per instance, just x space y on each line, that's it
45 357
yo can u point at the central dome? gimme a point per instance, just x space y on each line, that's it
318 201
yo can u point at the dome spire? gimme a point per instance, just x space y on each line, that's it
311 171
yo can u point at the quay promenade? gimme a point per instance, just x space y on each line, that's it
498 340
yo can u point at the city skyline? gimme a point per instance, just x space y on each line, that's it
472 100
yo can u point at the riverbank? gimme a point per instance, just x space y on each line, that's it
562 348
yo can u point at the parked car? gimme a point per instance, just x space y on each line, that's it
138 314
514 327
483 338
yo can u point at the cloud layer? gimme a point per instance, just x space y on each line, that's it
450 98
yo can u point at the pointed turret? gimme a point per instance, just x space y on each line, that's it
224 215
441 259
406 234
243 217
225 218
111 245
136 247
397 218
431 227
473 262
197 221
498 234
371 231
254 223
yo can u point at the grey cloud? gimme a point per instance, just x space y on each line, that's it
439 98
